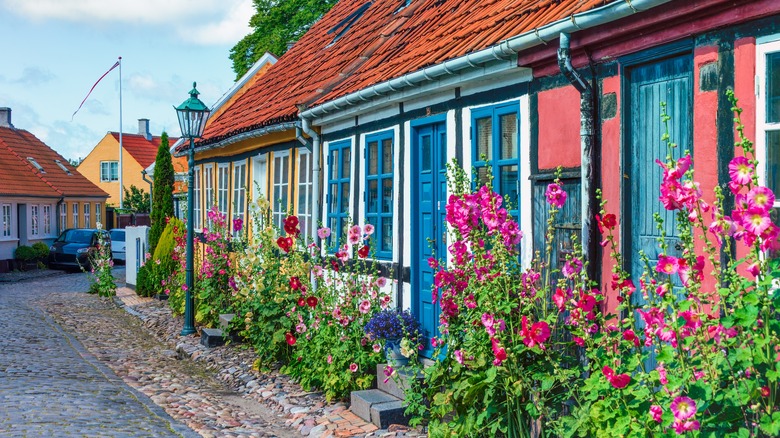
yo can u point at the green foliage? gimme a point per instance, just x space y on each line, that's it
160 271
162 203
101 280
25 253
136 200
41 250
275 24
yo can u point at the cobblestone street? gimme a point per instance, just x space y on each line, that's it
56 342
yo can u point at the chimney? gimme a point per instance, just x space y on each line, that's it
143 128
5 117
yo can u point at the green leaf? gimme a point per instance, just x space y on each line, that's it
743 433
771 425
746 316
750 298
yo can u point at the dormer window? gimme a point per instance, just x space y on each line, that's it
62 166
343 26
35 164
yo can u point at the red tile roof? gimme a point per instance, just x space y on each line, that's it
381 45
20 177
144 151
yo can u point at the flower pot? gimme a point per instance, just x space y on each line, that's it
393 352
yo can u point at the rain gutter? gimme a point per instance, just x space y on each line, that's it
501 51
255 133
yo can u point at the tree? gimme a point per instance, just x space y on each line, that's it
136 199
162 199
276 23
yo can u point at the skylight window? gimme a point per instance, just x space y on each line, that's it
35 164
343 26
62 166
404 4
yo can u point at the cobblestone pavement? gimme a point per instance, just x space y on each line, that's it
51 386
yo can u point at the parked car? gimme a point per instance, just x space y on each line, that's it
72 248
118 244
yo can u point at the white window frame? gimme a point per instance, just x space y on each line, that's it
239 191
35 229
223 185
280 165
305 192
75 210
87 216
98 214
63 216
259 177
208 186
762 127
8 224
106 174
47 220
196 204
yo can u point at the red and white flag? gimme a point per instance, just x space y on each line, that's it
116 64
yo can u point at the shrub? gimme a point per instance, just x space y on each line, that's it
162 196
41 250
160 270
25 253
101 280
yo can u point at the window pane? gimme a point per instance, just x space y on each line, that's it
484 139
509 136
508 175
373 158
373 196
387 235
426 151
773 87
773 160
387 195
345 197
482 176
345 155
387 155
334 198
443 151
334 164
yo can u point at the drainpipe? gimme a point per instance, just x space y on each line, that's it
315 151
587 130
143 175
59 213
301 138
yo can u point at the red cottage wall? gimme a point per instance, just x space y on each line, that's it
744 89
559 128
610 168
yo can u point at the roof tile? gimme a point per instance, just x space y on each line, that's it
144 151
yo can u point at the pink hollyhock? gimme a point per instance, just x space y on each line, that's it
487 320
656 412
238 223
381 282
695 273
498 351
578 340
536 334
323 233
692 319
678 168
683 408
571 268
377 348
756 221
560 297
662 374
300 327
317 271
630 336
760 198
368 229
353 367
741 171
680 427
555 195
459 356
586 303
618 381
667 264
754 269
365 306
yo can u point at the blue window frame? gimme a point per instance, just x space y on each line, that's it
496 145
339 165
379 190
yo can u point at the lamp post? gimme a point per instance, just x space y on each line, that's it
192 115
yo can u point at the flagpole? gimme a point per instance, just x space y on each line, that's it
121 187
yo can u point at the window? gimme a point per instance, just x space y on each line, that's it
379 190
62 166
87 222
768 118
197 221
36 165
208 186
223 176
75 215
239 190
281 187
6 220
34 230
339 160
109 171
63 216
495 145
47 220
98 214
259 174
305 179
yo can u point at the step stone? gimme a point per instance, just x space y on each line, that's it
362 401
385 414
211 337
395 385
224 321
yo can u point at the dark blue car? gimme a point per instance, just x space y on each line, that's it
73 247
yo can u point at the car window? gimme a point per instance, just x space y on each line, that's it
76 236
117 235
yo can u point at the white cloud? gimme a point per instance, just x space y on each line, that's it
205 22
34 76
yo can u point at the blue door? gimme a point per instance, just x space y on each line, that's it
668 81
429 190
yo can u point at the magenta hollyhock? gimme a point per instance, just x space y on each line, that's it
560 297
555 195
656 412
353 367
680 427
678 168
667 264
285 243
295 283
363 252
499 352
756 221
536 334
683 408
741 171
618 381
760 198
290 339
630 336
238 223
571 268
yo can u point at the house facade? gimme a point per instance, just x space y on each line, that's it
41 193
385 94
101 165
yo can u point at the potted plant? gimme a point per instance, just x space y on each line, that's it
398 329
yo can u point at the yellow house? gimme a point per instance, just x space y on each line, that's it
101 166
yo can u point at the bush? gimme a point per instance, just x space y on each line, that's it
157 275
41 250
25 253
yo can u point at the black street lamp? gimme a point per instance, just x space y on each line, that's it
192 115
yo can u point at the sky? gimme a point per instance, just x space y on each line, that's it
53 51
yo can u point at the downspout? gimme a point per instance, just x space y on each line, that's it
315 188
587 165
59 212
143 175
